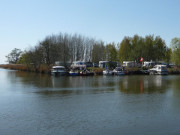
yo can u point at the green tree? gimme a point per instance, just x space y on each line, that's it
111 52
175 46
124 50
160 49
13 56
25 58
149 48
98 52
149 51
137 48
168 54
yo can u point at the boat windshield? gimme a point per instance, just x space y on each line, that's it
164 68
58 68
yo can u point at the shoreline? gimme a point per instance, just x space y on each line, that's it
43 69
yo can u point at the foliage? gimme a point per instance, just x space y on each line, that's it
111 52
125 49
101 52
25 59
112 65
98 52
13 56
175 46
168 55
150 48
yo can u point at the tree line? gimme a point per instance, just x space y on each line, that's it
150 48
67 48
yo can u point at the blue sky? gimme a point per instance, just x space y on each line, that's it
25 22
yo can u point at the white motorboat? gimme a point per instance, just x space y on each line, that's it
159 70
118 71
58 70
107 72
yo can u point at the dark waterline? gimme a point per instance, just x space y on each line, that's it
35 104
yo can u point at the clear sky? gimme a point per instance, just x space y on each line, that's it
25 22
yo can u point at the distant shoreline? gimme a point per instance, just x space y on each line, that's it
45 70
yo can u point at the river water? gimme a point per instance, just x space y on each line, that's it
36 104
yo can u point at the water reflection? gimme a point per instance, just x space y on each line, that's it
65 85
176 86
49 85
143 84
29 78
80 85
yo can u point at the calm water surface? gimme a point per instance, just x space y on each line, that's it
34 104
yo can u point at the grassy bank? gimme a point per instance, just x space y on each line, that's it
174 70
14 66
97 71
132 71
24 67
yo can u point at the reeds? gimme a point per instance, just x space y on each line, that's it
14 66
24 67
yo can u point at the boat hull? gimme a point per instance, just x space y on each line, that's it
107 72
73 73
119 73
59 73
158 72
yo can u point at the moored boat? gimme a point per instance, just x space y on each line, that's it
58 70
73 72
118 71
85 72
107 72
159 70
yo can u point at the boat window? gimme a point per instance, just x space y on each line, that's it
164 68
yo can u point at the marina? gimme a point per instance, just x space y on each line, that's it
90 67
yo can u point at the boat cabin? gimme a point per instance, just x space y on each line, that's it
78 64
149 64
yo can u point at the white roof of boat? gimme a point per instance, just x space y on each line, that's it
161 65
58 67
